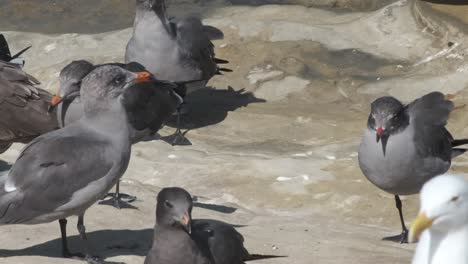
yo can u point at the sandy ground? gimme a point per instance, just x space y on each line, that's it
275 142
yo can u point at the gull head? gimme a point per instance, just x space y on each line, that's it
444 206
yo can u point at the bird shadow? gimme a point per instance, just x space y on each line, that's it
209 106
104 243
215 207
4 166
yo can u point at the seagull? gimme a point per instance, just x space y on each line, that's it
63 172
23 105
147 108
180 240
404 146
175 51
442 223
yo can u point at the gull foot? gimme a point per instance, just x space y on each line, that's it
119 201
401 238
177 139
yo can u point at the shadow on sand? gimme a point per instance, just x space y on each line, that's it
209 106
105 243
4 166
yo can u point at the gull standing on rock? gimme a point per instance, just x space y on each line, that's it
22 104
405 146
177 52
147 107
442 223
180 240
64 172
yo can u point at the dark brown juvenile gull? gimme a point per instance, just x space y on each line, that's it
22 104
63 172
23 107
179 51
180 240
404 146
148 107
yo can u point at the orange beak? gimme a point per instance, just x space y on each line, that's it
143 77
55 100
185 221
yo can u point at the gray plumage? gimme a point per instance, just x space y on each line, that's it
65 162
177 52
405 146
147 107
71 109
418 145
64 172
23 107
179 240
146 118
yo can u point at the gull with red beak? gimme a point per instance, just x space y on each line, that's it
442 223
404 146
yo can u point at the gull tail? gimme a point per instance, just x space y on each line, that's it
457 152
221 70
252 257
19 53
4 49
459 142
221 61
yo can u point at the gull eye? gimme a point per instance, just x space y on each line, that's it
119 80
168 204
454 199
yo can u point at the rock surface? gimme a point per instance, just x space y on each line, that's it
277 154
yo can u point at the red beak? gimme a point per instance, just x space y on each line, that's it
379 131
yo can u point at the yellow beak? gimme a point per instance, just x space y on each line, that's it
421 223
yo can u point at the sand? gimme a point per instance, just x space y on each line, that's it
275 142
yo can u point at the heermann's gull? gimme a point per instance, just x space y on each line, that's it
147 107
63 172
442 222
177 52
22 104
70 77
179 240
405 146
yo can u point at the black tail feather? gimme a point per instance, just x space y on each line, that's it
457 152
221 61
221 70
4 49
259 256
459 142
225 69
19 53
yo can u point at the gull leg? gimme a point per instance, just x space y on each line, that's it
403 237
119 200
65 251
178 138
